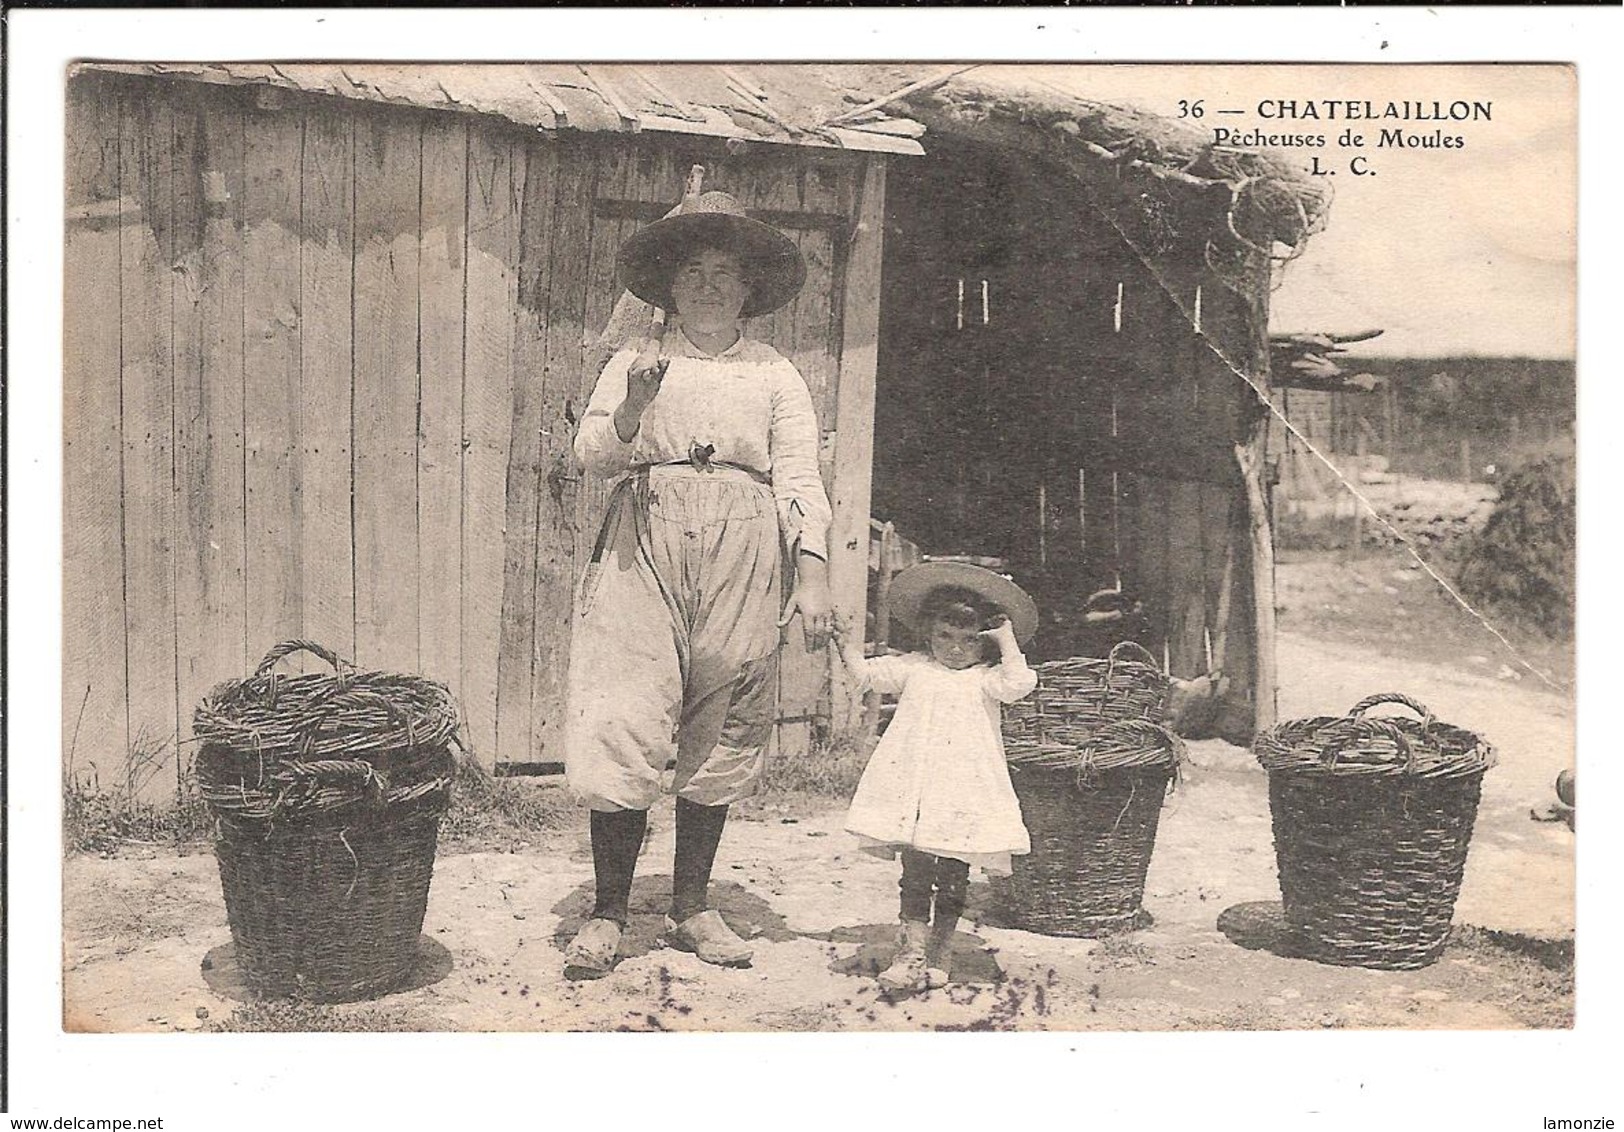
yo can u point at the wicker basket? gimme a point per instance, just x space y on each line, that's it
1076 697
327 791
1092 813
1372 821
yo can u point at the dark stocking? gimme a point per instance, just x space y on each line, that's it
699 832
617 835
918 873
952 887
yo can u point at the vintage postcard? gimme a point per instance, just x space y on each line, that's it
802 547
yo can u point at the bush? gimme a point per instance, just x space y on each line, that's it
1523 559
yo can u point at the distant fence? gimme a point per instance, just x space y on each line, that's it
1463 419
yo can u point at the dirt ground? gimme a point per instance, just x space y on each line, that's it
147 948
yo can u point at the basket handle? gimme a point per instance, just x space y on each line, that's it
1145 729
337 772
1349 731
1097 599
288 648
1133 646
355 697
1414 705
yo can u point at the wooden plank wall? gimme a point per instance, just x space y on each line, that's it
283 418
323 366
95 703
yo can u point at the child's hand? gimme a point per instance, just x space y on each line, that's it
1003 634
847 644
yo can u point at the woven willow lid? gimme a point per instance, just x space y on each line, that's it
340 714
1357 744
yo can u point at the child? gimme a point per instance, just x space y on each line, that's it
936 789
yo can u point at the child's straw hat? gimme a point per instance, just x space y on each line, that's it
911 586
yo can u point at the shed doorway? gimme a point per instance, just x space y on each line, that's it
990 390
1044 406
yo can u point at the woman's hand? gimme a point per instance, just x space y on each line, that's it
811 600
1003 634
642 386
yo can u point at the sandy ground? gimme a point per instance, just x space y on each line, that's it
147 947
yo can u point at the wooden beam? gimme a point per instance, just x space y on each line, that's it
543 246
388 161
854 421
785 219
326 343
442 301
496 179
212 580
146 257
1250 459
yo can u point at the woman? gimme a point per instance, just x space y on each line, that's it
675 647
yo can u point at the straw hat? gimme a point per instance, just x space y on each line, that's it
911 586
649 257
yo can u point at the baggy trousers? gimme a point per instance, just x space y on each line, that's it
674 652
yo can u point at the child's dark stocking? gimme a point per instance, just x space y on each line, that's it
952 883
918 879
906 974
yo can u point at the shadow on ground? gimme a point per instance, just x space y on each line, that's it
1260 925
753 918
972 963
745 912
223 973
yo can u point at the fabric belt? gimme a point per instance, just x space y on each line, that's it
707 468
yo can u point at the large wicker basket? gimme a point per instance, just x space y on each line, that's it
1092 812
327 791
1372 822
1076 697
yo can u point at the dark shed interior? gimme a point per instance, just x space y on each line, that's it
1043 401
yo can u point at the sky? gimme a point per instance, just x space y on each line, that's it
1459 251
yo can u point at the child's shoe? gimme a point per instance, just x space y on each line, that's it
906 974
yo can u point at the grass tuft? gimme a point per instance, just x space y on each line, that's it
500 812
98 820
830 770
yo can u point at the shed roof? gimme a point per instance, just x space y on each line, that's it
873 107
788 105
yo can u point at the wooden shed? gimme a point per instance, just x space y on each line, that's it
329 328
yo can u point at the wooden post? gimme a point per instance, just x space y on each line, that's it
1466 459
1391 431
885 570
854 422
1249 457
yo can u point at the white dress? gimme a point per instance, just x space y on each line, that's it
937 781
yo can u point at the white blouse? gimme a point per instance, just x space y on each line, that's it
937 781
748 402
